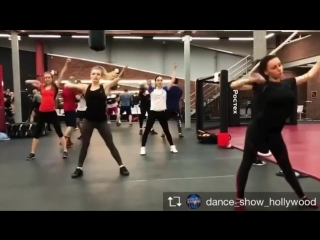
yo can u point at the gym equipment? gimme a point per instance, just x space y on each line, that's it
97 40
207 138
24 130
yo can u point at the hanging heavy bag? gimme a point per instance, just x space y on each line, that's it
97 40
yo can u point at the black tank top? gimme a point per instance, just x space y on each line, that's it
96 105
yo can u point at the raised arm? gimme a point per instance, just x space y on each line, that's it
34 83
174 74
246 84
114 81
63 71
313 73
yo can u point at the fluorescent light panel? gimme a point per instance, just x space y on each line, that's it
44 36
80 36
127 37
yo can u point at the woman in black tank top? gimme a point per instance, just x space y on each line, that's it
95 116
278 100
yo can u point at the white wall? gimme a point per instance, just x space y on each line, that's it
146 54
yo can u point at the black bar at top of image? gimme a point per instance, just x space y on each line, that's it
224 86
199 104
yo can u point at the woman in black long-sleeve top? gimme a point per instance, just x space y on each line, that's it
144 97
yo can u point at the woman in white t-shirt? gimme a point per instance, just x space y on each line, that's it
158 98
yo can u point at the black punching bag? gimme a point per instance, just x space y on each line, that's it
97 40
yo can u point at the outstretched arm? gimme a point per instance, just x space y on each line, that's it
63 71
34 83
312 74
244 84
77 86
114 82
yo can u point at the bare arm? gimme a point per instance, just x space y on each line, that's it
114 82
63 71
243 84
80 87
173 77
34 83
313 73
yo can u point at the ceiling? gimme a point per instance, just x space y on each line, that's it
166 33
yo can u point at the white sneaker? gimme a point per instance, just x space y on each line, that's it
269 154
143 151
173 149
109 122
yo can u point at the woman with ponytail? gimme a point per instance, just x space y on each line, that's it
277 102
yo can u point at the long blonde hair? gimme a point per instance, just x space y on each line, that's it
104 74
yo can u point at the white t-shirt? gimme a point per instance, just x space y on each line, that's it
158 99
82 105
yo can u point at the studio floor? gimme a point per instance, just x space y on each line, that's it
46 184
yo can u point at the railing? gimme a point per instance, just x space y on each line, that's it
239 70
235 70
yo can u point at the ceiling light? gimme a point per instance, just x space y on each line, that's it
269 35
44 36
80 36
127 37
205 38
241 39
4 35
167 38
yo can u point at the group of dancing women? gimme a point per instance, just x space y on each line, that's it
276 101
91 111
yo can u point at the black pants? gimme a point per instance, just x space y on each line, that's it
49 118
256 137
105 132
175 114
70 118
163 120
143 110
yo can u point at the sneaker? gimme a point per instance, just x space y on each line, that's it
306 202
180 135
130 125
65 155
109 122
31 157
259 162
173 149
77 173
140 132
163 135
118 124
79 138
153 132
143 151
124 171
268 154
238 206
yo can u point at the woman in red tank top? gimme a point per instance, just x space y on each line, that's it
47 110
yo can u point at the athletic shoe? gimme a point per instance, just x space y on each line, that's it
31 157
143 151
77 173
259 162
173 149
140 132
268 154
153 132
180 135
65 155
124 171
163 135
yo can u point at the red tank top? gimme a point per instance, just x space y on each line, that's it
48 99
69 99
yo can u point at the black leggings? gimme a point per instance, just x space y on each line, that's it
143 111
253 142
175 114
163 120
49 118
105 132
